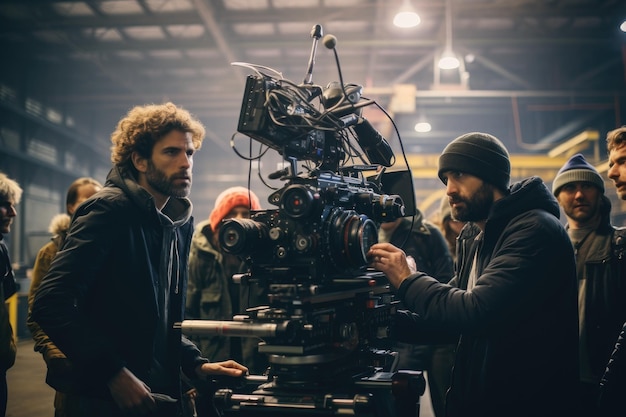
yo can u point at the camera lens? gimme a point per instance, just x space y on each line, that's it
380 207
390 207
242 236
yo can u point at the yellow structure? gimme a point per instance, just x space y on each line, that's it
11 304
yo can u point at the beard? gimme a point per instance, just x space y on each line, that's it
163 184
475 208
5 227
581 216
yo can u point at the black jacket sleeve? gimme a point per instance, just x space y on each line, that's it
613 382
408 327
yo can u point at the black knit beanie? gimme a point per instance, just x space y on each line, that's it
478 154
576 169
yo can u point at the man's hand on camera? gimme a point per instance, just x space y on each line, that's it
226 368
392 261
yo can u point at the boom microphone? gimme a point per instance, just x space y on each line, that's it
330 41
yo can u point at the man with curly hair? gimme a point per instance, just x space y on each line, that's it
116 287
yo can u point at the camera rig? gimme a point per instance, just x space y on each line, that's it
325 326
326 351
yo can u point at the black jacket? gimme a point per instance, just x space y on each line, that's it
605 295
518 350
8 287
613 382
98 301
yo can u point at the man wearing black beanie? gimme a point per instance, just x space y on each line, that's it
479 154
513 300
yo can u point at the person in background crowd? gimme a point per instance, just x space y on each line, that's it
613 381
579 189
513 299
211 292
57 363
616 143
10 195
449 227
424 242
117 286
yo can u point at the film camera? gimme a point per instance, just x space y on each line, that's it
325 326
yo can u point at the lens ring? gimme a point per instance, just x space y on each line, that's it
360 235
349 236
297 201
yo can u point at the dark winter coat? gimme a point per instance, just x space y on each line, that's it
98 302
518 350
605 295
8 287
613 382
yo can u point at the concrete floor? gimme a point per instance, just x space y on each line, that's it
29 396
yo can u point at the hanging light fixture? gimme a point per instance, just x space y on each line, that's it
406 17
448 59
423 127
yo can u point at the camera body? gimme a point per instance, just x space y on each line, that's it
325 222
322 230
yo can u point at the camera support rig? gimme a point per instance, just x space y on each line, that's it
319 342
325 327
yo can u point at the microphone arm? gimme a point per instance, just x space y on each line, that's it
316 34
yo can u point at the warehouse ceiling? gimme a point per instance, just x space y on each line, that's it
535 73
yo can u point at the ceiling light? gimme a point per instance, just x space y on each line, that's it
623 26
423 127
406 16
448 60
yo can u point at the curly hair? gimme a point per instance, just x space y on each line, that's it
10 190
143 126
616 138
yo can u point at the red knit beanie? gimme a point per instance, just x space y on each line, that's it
229 199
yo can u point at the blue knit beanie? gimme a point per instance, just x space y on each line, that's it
576 169
478 154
